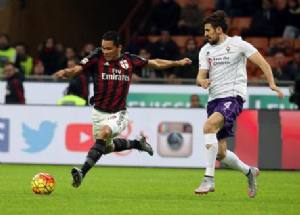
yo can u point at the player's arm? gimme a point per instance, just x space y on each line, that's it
260 61
202 78
76 70
165 64
68 72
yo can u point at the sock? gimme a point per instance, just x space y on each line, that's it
233 161
93 155
124 144
211 153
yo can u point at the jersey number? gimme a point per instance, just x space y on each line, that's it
227 105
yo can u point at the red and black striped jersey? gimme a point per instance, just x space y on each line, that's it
14 90
111 79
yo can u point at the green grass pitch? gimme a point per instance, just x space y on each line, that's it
139 191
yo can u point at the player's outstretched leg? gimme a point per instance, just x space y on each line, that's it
233 161
144 146
207 185
77 177
93 156
124 144
252 185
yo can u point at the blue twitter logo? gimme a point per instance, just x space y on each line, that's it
38 139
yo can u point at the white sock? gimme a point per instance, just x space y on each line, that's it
211 153
233 161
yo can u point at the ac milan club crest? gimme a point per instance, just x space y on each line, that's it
124 64
227 48
84 61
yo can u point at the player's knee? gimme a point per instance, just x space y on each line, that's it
104 133
210 127
97 150
109 149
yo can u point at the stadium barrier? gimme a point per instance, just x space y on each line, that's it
152 95
63 135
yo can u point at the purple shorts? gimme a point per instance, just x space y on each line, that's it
230 108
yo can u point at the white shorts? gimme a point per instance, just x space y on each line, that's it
116 121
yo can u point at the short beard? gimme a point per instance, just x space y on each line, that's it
213 42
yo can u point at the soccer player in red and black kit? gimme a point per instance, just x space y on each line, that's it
112 72
14 87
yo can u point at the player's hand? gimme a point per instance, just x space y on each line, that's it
277 90
204 83
184 61
60 74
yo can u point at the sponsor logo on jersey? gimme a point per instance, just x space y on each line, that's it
116 75
220 61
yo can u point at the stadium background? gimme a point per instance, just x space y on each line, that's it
267 132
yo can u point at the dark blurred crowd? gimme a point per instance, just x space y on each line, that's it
174 30
272 26
51 56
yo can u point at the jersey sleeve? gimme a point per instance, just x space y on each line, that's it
247 48
91 59
203 60
138 62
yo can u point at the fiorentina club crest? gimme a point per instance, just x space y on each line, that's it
124 64
209 61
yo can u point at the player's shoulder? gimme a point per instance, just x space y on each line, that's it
128 55
131 56
236 39
205 48
96 52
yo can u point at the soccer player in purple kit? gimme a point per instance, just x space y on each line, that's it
222 70
111 72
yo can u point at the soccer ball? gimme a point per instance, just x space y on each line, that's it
42 183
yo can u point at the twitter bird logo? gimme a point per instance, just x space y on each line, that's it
38 139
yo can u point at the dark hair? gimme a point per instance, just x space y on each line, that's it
112 36
217 19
